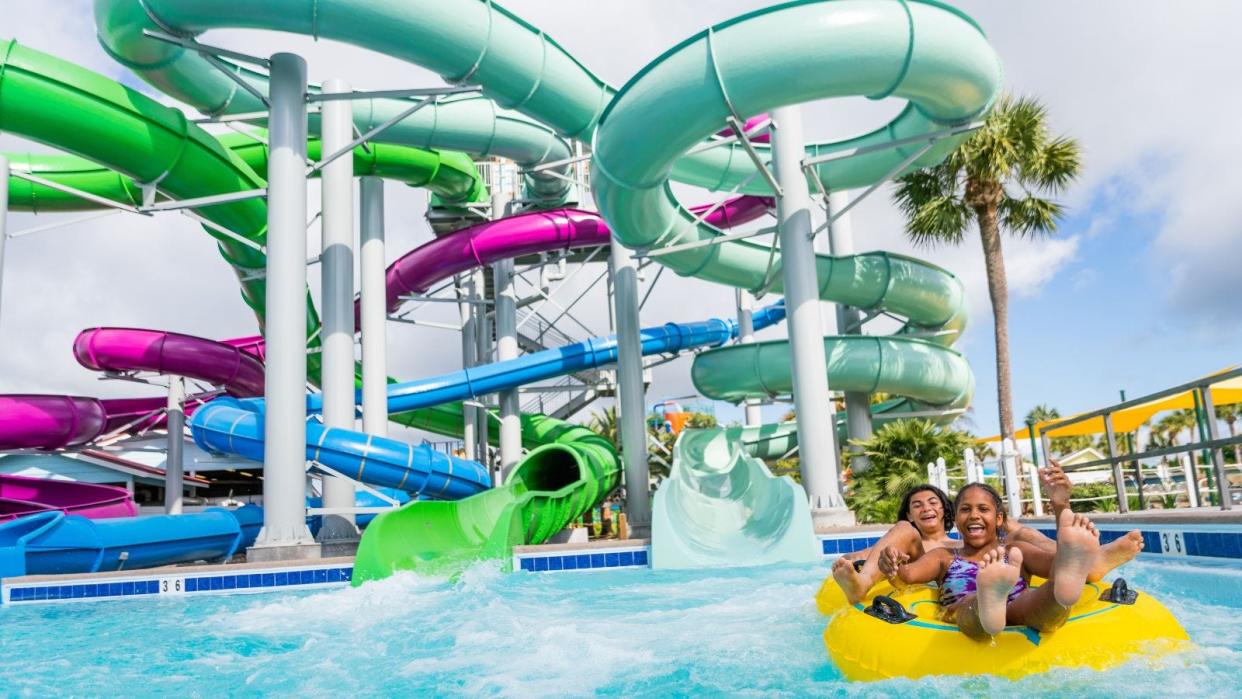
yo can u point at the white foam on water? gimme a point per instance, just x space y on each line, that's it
743 632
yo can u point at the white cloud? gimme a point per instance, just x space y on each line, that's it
1147 93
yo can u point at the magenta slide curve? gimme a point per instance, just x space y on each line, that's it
21 496
56 422
525 234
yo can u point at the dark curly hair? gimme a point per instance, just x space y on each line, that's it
996 498
903 513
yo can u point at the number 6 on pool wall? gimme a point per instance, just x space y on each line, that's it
172 586
1171 542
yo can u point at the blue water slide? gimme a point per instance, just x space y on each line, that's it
52 542
231 426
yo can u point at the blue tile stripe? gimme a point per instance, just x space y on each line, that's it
192 584
1211 544
584 560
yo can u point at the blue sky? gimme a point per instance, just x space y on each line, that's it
1138 291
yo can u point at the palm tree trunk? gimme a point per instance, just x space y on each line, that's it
998 291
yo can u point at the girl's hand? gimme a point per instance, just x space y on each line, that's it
890 560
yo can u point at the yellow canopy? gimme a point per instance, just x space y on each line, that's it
1223 393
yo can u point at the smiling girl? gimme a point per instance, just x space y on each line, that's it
984 585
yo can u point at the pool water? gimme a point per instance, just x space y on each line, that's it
740 632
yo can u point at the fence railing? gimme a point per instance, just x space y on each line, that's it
1210 443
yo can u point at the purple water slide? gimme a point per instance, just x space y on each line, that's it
762 137
525 234
130 349
22 496
55 422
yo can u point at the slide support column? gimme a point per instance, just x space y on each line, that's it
506 338
374 309
174 465
284 534
849 322
632 399
746 335
812 402
483 355
469 351
337 277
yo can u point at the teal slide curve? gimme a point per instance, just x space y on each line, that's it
721 506
718 506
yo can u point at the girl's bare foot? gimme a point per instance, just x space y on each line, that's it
996 578
1077 546
1116 553
852 584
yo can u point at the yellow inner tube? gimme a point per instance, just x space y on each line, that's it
1098 635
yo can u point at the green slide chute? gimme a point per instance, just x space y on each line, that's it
568 469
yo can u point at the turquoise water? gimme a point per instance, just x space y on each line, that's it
747 632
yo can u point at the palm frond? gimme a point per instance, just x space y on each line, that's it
1030 216
1053 166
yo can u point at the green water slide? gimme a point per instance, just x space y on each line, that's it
451 176
567 470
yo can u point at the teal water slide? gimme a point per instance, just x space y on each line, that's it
927 53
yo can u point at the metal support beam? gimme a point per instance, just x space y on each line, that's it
327 96
483 355
349 145
373 309
506 335
1218 459
632 399
284 420
104 201
746 335
812 401
469 355
857 404
174 468
1123 503
203 202
337 284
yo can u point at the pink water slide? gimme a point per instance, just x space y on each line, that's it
56 422
23 496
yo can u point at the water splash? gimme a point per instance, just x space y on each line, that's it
745 632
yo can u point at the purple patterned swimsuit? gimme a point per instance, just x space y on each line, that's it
959 581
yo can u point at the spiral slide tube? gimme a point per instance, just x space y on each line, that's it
921 51
528 74
719 506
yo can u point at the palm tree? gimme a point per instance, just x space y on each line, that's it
995 178
1230 414
605 424
1171 427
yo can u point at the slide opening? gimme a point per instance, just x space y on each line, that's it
549 468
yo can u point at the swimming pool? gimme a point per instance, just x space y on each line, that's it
625 632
